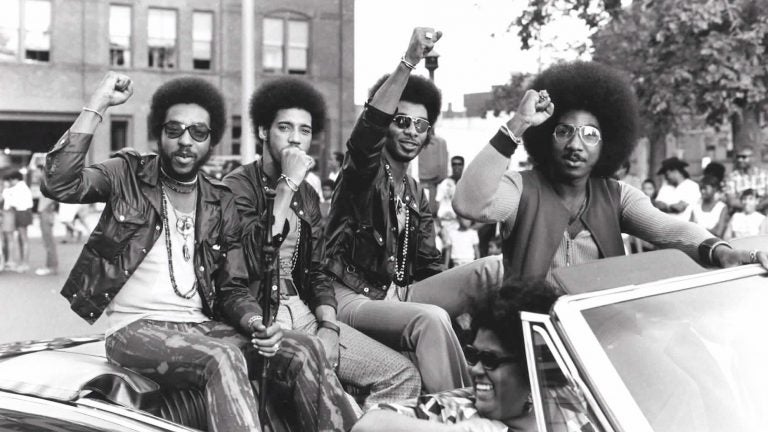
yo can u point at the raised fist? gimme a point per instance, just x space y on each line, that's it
114 89
422 41
295 163
535 107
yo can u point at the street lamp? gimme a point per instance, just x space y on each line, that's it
430 62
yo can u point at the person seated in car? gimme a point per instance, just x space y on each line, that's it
578 123
165 263
500 399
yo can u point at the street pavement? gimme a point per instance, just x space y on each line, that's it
32 307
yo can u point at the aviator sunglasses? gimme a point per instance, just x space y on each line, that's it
590 135
198 131
403 121
489 359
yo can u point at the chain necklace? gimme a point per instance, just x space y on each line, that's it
164 207
176 185
284 268
402 260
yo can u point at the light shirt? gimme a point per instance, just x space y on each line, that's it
687 191
745 225
18 197
463 245
148 293
707 219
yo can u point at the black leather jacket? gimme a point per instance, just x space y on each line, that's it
131 223
362 234
247 184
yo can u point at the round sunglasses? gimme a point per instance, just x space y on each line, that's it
198 131
590 135
403 121
490 360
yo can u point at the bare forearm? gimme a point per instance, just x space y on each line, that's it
389 421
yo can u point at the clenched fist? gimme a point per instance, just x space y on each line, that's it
114 89
422 41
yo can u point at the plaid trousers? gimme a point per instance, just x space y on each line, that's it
215 358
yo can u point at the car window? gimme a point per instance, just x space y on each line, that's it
692 359
564 407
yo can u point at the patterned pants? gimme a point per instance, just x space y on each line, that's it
209 356
363 362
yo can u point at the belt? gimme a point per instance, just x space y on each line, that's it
288 288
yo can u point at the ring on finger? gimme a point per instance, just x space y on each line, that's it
428 35
753 257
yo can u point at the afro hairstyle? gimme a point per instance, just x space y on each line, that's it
285 93
599 90
188 90
418 90
499 310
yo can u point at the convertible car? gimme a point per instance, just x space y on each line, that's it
648 342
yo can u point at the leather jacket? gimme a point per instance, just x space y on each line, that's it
362 233
248 183
132 222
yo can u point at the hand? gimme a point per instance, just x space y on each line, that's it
727 257
422 41
295 163
330 341
114 89
534 109
266 339
479 424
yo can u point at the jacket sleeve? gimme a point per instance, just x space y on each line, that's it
321 291
364 148
66 179
234 300
428 259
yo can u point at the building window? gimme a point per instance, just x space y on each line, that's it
118 134
161 38
119 35
202 39
25 29
286 44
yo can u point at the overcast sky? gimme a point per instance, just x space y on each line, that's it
476 50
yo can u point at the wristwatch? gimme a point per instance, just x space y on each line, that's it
707 250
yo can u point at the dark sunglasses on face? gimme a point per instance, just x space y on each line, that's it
743 156
198 131
404 122
590 135
490 360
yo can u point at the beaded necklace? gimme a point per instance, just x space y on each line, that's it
401 264
176 185
164 207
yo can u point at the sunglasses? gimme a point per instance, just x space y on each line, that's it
489 359
198 131
404 122
590 135
743 156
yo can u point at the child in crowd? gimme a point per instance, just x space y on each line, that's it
710 213
747 222
464 244
494 246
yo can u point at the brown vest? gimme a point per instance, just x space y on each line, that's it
542 218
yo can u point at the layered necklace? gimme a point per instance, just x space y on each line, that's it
176 185
185 226
402 211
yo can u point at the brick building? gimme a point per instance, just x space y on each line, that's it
54 52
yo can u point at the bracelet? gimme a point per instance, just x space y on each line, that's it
101 117
707 250
407 64
252 320
330 326
505 130
292 185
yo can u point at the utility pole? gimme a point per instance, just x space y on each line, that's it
247 82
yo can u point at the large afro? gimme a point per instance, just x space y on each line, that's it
189 90
418 90
599 90
285 93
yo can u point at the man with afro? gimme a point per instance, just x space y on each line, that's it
579 123
166 267
286 113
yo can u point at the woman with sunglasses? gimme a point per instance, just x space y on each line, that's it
578 123
500 399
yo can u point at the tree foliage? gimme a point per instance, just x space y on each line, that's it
505 98
686 57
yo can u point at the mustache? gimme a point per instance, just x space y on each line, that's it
182 153
575 155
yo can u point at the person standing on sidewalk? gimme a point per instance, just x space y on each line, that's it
48 210
17 201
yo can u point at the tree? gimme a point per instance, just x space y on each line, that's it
685 57
505 98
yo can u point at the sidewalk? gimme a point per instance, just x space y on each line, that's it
58 229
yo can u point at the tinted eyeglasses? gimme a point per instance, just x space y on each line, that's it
590 135
404 122
198 131
743 156
490 360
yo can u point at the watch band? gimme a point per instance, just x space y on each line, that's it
505 130
330 326
707 250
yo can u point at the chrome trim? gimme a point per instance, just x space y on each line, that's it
136 415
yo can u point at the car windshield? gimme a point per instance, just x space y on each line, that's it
695 359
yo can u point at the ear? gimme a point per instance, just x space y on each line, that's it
262 133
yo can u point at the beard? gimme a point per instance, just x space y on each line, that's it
166 162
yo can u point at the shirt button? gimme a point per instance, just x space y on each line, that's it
295 203
157 227
90 314
122 218
301 212
143 250
365 290
392 259
201 268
